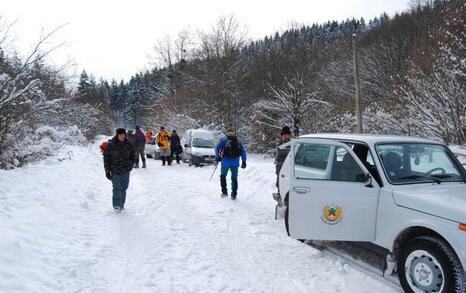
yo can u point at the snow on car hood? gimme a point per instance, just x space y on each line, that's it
203 151
446 200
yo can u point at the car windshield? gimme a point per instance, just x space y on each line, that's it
203 142
407 163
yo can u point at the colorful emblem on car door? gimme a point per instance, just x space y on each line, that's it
332 214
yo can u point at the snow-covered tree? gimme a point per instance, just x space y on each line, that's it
295 104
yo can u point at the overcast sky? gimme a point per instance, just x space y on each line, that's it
113 39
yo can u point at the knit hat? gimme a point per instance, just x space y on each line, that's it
137 127
120 131
285 130
230 132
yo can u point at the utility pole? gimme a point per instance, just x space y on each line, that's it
356 82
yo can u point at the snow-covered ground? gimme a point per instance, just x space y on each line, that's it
59 234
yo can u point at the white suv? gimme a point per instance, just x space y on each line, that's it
405 194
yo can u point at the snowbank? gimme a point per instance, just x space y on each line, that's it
43 142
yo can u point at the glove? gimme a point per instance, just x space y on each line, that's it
108 175
243 165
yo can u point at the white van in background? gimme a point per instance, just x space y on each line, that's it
199 147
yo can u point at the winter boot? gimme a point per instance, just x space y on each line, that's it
144 164
136 165
163 161
117 209
223 184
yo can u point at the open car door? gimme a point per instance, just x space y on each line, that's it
331 196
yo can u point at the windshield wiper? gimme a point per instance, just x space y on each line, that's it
447 176
436 180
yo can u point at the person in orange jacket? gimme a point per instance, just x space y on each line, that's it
149 137
163 141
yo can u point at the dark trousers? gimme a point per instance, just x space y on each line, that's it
176 155
120 183
140 152
234 179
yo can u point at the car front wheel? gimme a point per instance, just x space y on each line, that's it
428 264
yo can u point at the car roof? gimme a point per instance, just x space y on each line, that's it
370 138
202 132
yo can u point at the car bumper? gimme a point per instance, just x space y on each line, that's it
205 159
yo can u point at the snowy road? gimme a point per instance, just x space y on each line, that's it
176 234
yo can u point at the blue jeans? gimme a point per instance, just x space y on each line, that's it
234 179
120 183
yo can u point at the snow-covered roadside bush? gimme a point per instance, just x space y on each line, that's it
39 144
39 111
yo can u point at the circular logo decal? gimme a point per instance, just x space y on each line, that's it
332 214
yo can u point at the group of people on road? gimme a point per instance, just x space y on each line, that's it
169 145
122 152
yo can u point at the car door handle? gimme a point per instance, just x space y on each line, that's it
301 189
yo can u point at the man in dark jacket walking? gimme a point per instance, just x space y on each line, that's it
228 151
118 163
130 136
139 145
282 150
175 146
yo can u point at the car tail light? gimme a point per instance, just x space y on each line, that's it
462 227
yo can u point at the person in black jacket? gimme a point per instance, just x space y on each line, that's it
282 151
175 146
139 143
118 162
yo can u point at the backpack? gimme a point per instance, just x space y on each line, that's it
233 148
104 146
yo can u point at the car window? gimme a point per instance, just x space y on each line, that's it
406 163
345 167
369 159
312 160
326 162
202 142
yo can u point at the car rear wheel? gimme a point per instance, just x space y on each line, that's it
428 264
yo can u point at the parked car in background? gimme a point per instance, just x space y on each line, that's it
199 147
406 195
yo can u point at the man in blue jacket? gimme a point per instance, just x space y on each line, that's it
228 151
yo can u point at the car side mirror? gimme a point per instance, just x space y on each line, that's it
186 145
369 181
